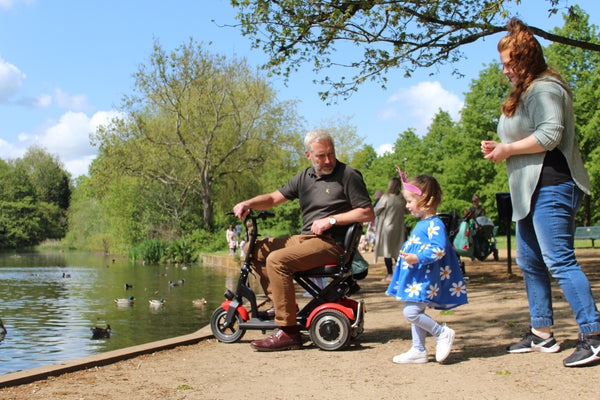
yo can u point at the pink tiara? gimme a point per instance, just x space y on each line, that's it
408 186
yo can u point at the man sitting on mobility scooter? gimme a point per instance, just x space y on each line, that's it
332 195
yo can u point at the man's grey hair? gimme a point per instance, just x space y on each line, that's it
317 134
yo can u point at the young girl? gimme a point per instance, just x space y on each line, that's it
427 272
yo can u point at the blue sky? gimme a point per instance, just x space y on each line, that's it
66 64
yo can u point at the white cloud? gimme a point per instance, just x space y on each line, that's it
76 102
71 135
43 101
384 148
63 100
79 166
9 151
417 105
68 138
6 4
11 80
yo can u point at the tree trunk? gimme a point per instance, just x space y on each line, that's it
586 210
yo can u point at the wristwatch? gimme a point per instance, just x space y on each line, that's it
332 220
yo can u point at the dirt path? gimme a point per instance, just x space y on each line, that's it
478 367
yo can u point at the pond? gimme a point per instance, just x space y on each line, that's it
50 300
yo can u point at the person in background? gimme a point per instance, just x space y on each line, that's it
243 242
372 225
231 240
547 180
377 196
389 214
476 210
428 273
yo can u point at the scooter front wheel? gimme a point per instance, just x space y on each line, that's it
330 330
225 334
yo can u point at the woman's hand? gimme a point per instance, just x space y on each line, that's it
494 151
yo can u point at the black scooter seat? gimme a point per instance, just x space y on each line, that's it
326 270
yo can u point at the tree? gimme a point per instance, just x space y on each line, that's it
364 157
195 120
25 218
86 223
48 175
347 141
407 34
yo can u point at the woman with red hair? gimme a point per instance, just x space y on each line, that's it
547 180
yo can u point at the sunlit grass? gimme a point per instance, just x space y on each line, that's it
579 243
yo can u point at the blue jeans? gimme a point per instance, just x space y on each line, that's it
545 242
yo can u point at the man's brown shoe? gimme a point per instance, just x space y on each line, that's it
280 340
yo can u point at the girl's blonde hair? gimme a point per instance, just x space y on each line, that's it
432 192
526 60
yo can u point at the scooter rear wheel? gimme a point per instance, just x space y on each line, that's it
330 330
230 334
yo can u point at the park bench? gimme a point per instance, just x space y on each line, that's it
587 232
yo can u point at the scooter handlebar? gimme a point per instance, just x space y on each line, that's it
265 214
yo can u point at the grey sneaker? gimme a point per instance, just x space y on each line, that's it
532 342
587 351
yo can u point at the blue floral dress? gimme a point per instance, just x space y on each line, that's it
437 278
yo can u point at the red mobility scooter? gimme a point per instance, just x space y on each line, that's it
331 318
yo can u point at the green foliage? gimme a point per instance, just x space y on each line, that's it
205 241
405 35
180 251
48 176
86 222
287 220
150 251
197 122
142 190
34 194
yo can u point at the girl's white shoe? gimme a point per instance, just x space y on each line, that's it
444 344
412 356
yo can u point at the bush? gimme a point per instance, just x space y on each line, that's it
181 251
204 241
150 251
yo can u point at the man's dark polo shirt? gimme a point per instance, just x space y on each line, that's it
343 190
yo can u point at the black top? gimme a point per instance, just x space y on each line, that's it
555 169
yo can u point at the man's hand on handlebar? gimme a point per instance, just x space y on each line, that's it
240 210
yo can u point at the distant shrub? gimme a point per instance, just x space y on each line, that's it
181 251
205 241
151 251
